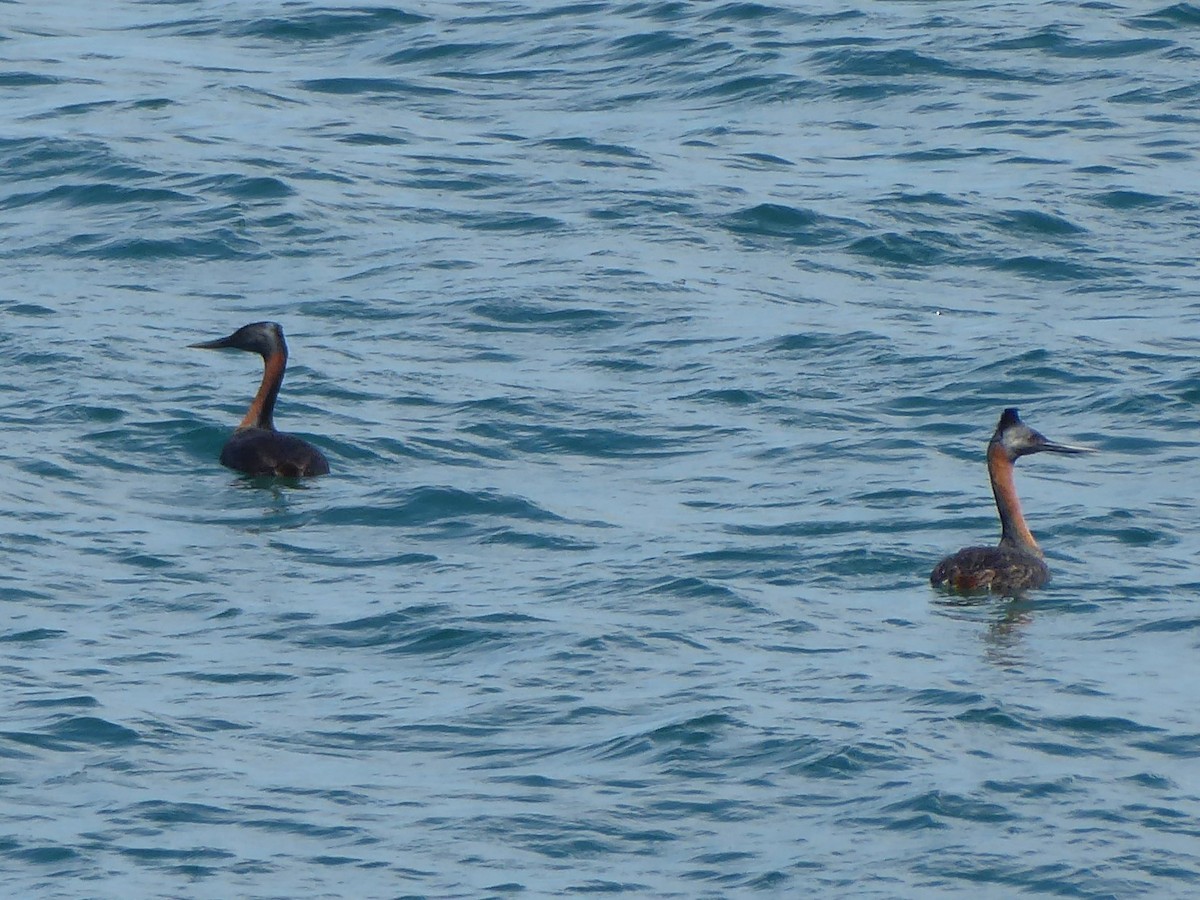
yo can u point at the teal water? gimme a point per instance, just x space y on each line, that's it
654 347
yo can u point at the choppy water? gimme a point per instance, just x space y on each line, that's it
655 346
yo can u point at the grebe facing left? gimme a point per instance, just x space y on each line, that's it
256 448
1017 563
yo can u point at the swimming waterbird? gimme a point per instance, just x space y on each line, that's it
1017 564
256 448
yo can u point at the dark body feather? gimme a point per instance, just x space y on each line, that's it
257 451
1004 570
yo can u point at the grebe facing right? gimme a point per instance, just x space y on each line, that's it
1017 563
256 448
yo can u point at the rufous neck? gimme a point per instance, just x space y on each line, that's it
1014 531
262 408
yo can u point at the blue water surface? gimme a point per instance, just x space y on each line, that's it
655 347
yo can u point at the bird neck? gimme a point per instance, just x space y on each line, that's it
1014 531
262 407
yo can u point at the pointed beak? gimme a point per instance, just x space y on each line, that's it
1054 447
218 344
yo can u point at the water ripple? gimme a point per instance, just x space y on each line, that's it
657 346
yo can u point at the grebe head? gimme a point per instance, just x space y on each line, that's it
1017 439
265 338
